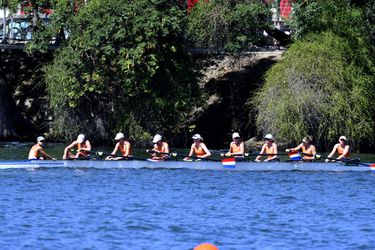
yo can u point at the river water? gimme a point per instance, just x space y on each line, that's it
178 209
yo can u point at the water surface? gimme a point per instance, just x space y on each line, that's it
178 209
164 209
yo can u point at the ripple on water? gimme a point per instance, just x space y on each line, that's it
97 209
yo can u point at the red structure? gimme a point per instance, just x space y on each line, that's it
26 6
191 3
285 8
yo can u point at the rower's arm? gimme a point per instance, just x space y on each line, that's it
333 152
208 153
88 147
260 153
229 153
45 155
69 147
191 150
115 149
313 150
294 149
166 147
346 151
127 151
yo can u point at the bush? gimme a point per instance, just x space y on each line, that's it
124 67
316 90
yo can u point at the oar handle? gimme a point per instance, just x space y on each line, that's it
153 151
200 158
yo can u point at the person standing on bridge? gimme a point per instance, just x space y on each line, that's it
37 152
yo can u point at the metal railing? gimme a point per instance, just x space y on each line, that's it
17 29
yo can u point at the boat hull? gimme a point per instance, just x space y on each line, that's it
195 165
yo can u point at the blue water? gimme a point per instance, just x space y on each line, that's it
166 209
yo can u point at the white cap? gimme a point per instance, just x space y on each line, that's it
268 137
197 137
235 135
40 138
81 138
157 138
342 138
119 136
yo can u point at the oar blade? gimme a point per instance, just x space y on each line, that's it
229 162
294 156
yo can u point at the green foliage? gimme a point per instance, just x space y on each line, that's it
316 90
228 25
340 18
124 67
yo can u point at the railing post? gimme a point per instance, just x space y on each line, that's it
4 4
11 33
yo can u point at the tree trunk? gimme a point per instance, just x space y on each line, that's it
35 16
7 121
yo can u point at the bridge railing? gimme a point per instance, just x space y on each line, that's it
17 29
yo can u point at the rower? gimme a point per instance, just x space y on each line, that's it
198 148
342 149
269 148
160 150
83 148
37 152
308 150
236 147
123 145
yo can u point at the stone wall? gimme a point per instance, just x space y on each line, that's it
229 83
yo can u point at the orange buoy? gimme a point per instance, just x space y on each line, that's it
206 246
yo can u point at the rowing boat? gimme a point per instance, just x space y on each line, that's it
195 165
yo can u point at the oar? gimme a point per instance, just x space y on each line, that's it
356 161
151 151
372 166
121 157
199 158
353 161
252 154
101 153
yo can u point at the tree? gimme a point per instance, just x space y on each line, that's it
341 18
228 25
124 67
317 90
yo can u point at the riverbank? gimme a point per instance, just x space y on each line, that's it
227 82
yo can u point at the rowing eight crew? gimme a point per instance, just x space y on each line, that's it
198 149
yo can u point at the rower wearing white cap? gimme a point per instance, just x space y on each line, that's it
269 148
342 149
37 152
160 150
123 145
198 148
236 147
83 148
